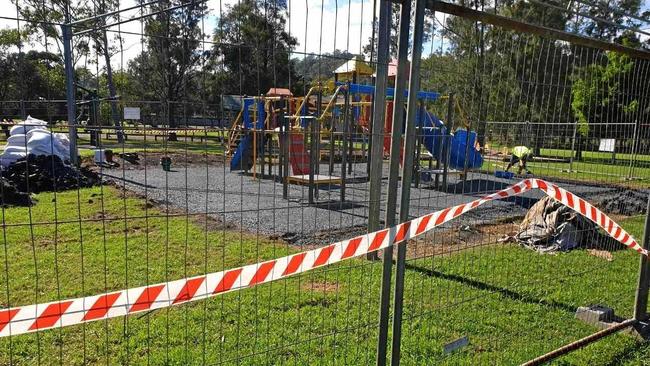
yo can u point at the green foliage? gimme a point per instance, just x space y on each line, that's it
591 101
166 70
253 48
315 67
9 38
31 76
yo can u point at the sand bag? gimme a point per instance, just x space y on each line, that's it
33 137
27 125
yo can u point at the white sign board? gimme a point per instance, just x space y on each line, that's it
132 113
607 145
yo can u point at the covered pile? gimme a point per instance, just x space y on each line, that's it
33 137
34 161
550 226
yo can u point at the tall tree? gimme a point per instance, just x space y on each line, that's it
43 29
166 69
370 48
102 46
254 48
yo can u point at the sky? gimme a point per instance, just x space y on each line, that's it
320 26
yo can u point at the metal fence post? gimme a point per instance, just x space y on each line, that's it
407 169
641 300
395 160
347 134
70 92
446 142
376 160
379 113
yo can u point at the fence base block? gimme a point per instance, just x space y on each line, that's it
597 315
603 317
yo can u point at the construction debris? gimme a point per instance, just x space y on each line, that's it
9 195
550 227
132 158
44 173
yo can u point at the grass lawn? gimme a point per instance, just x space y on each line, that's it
513 304
582 171
596 155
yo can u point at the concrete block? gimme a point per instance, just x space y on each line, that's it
595 314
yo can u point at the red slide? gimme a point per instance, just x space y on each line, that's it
298 155
388 129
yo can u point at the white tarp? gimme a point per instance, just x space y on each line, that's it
32 137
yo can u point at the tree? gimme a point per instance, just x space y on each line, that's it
370 48
319 67
166 69
592 101
253 48
613 11
43 28
102 46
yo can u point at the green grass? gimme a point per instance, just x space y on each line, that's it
513 304
595 155
582 171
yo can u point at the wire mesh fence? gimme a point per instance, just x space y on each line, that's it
237 133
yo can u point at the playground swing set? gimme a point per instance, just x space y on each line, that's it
282 134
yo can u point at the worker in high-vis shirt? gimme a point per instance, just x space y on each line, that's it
521 155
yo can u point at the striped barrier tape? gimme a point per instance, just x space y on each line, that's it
32 318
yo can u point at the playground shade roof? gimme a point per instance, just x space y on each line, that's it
279 92
354 65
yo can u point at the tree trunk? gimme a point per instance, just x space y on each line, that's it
115 113
579 147
171 122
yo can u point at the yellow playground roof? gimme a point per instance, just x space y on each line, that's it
354 65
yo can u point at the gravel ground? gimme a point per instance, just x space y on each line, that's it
256 205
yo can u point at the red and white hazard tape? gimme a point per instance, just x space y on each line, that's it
31 318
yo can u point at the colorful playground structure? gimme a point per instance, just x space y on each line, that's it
292 138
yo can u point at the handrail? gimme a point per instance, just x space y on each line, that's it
233 127
331 102
302 104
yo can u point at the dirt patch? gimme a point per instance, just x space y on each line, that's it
103 216
151 160
459 238
318 239
320 286
604 254
211 223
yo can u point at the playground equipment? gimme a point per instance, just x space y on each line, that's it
462 154
297 133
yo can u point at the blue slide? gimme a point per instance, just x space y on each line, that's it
243 157
435 135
